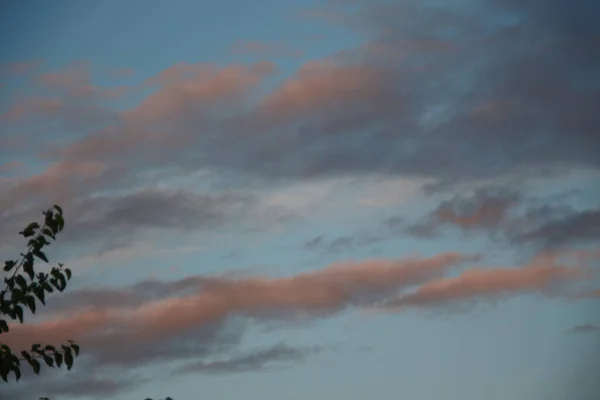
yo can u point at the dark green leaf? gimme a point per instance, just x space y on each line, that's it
40 254
19 313
28 266
75 348
26 356
21 282
68 359
30 300
68 273
58 357
39 292
49 233
8 265
35 364
48 360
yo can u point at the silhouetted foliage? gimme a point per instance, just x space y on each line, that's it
24 288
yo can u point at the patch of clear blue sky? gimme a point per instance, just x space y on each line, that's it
507 352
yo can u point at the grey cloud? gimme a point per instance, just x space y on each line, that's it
387 229
575 227
512 217
113 220
450 93
77 383
495 100
486 209
258 360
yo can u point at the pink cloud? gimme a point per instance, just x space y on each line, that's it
545 274
323 291
76 80
185 86
324 85
32 107
19 67
488 213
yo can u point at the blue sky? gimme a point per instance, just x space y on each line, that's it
309 199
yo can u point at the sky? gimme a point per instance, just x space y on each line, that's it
309 200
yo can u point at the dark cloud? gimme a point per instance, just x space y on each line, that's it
491 90
389 228
571 229
512 217
275 356
114 221
486 209
81 381
469 100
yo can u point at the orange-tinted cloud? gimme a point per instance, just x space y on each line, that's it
315 293
185 87
545 274
19 67
32 107
321 86
76 81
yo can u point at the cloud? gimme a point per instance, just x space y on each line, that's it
214 300
251 362
575 227
203 85
586 328
390 228
199 321
115 220
392 106
19 68
54 384
546 274
265 49
411 102
486 209
513 217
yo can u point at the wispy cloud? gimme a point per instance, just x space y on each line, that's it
585 328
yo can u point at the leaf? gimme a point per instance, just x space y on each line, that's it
48 360
26 356
19 313
28 267
68 273
68 359
3 326
75 348
58 357
58 209
35 364
63 282
60 223
40 293
21 282
40 254
8 265
29 230
48 232
30 300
